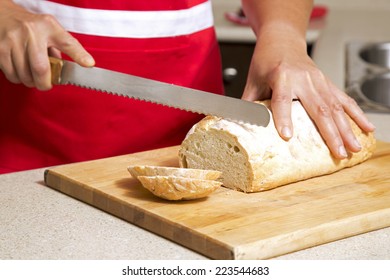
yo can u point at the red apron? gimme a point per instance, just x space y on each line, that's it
70 124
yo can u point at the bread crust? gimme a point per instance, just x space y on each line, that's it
150 170
174 183
263 159
179 188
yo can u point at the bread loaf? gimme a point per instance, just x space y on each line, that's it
254 158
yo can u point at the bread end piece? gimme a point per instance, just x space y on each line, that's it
179 188
174 183
150 170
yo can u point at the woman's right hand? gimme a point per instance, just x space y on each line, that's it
27 40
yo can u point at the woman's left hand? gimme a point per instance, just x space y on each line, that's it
283 71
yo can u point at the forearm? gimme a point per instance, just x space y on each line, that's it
278 18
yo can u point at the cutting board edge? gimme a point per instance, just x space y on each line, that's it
211 248
292 242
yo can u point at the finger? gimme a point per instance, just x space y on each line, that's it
22 67
353 110
332 98
281 103
343 106
39 64
62 40
322 115
7 67
344 126
53 52
69 45
340 116
40 69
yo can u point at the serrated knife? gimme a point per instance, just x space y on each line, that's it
67 72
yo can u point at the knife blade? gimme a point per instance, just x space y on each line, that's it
68 72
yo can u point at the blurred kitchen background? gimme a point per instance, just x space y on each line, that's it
237 39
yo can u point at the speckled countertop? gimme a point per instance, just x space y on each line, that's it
40 223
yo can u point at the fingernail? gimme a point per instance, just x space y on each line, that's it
286 132
343 152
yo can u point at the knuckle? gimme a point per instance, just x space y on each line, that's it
37 23
338 108
48 19
317 72
28 26
279 69
323 111
9 39
277 77
40 68
349 101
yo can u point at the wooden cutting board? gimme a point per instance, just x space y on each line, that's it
234 225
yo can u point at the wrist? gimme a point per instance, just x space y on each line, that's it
280 30
282 34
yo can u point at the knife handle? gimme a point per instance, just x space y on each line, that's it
56 65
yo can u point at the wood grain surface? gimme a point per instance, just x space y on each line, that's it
233 225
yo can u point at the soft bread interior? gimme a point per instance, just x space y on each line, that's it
218 150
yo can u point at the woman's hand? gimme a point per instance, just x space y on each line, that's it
26 41
282 70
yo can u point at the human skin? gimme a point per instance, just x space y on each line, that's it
282 70
27 40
